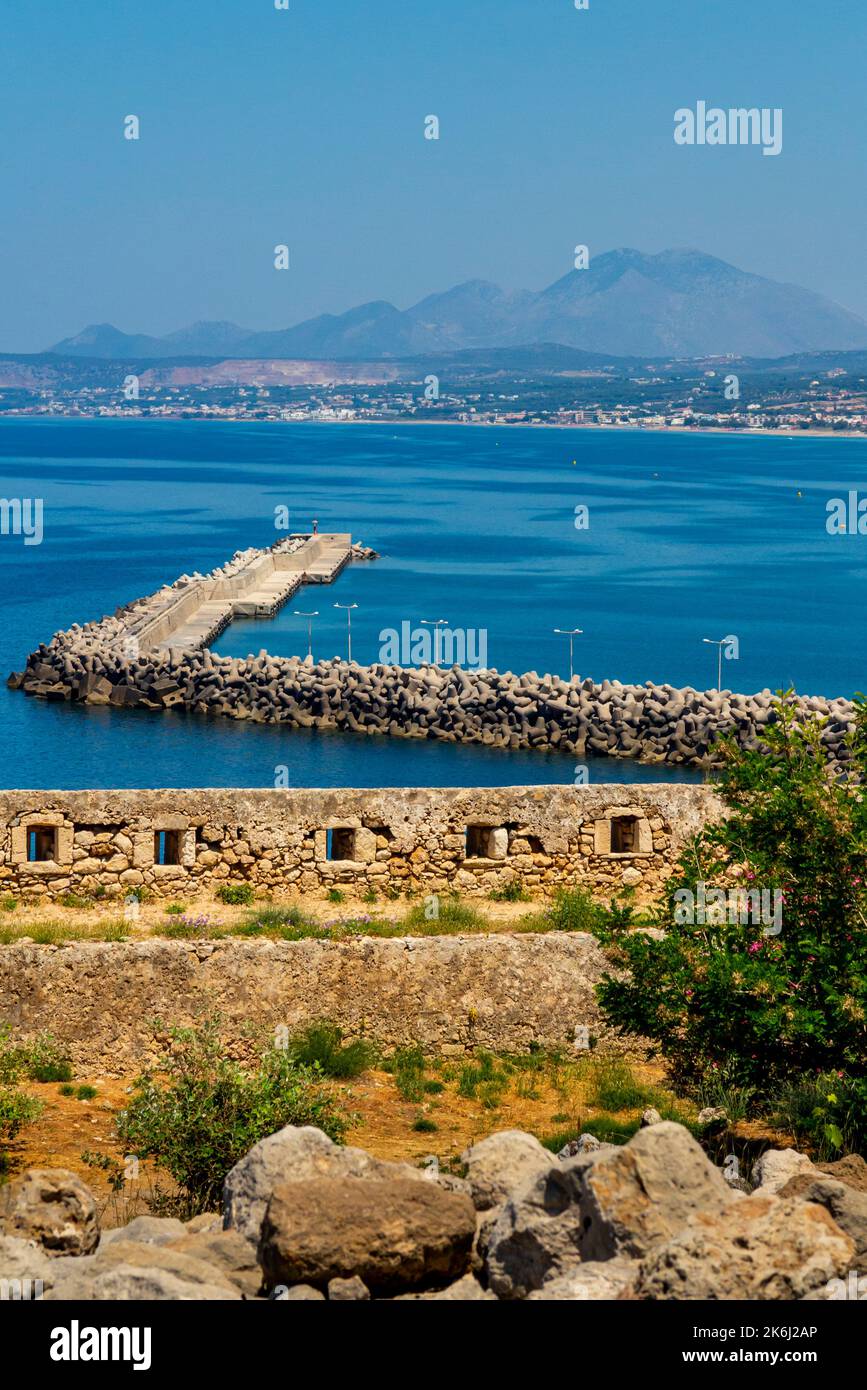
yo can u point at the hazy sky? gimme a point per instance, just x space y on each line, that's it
305 126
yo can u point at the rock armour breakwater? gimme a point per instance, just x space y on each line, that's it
153 655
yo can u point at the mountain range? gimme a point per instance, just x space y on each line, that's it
627 303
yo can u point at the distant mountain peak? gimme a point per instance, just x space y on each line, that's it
628 303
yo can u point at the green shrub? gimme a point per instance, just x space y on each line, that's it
825 1113
175 909
41 1058
407 1065
85 1092
322 1045
16 1111
208 1111
334 895
236 894
729 994
483 1078
513 892
115 930
573 909
452 915
424 1126
189 927
8 903
369 896
74 900
614 1086
288 923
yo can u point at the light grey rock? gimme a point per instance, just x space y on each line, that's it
650 1117
776 1166
712 1115
352 1290
52 1207
499 1165
25 1260
618 1201
584 1144
145 1230
535 1235
465 1290
586 1283
227 1254
132 1283
644 1192
298 1293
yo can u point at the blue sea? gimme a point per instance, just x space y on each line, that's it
689 537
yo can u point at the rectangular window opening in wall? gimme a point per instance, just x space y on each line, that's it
478 841
340 843
41 844
487 842
167 847
624 835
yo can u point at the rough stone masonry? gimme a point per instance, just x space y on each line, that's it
153 655
421 840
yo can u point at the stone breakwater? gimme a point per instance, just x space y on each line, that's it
153 655
648 723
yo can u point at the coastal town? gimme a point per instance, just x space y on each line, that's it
681 396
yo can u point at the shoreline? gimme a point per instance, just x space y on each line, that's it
679 430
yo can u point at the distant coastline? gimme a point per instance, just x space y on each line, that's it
679 430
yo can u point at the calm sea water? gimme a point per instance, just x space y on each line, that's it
689 537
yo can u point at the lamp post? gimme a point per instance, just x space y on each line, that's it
571 633
436 624
347 608
309 617
719 646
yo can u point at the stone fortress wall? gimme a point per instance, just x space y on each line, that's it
153 655
605 837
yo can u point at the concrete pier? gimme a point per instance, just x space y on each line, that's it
257 586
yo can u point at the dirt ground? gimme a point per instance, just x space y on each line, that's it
68 1127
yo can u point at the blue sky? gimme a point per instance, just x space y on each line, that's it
305 126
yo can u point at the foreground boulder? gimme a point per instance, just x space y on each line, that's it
394 1236
501 1163
763 1247
847 1205
53 1208
616 1201
295 1154
635 1197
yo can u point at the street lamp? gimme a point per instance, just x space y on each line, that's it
719 646
309 617
347 608
436 624
571 633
